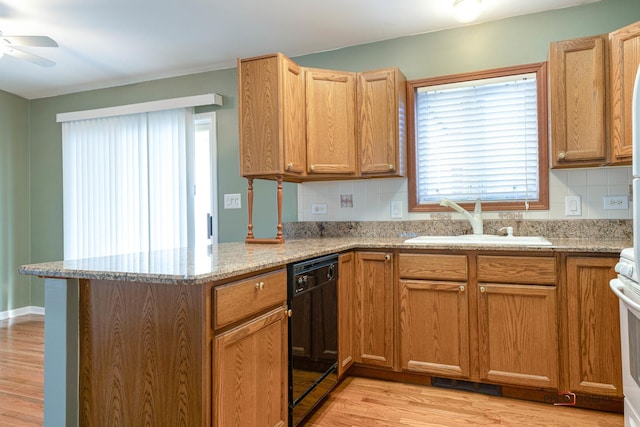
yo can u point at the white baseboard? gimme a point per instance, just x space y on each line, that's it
21 312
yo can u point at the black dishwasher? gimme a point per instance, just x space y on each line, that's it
313 334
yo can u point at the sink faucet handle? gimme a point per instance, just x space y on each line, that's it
509 231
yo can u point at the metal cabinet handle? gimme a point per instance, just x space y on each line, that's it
387 257
260 285
290 166
461 288
312 167
561 156
390 167
483 289
288 312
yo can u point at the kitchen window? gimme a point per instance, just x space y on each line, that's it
479 135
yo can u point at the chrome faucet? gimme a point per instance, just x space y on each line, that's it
475 219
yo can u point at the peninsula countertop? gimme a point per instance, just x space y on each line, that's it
221 261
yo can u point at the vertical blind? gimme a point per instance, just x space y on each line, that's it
478 140
124 183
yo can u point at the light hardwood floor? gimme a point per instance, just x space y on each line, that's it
367 402
22 371
356 402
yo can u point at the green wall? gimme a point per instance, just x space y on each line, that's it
511 41
14 201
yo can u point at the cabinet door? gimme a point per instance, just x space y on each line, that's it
346 287
250 373
518 334
294 126
434 327
578 82
374 318
593 328
330 112
381 125
625 59
271 116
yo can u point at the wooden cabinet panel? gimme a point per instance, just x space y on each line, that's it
625 59
518 337
374 312
434 328
593 327
578 89
346 289
330 112
271 116
521 269
381 126
239 300
433 266
250 373
144 354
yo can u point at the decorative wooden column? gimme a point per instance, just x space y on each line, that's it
250 237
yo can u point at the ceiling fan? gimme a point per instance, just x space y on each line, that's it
12 45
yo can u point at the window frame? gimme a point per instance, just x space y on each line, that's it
540 69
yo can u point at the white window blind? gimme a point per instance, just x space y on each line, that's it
124 183
478 139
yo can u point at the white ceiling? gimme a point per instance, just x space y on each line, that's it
105 43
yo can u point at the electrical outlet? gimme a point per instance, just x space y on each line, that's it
616 202
319 209
232 201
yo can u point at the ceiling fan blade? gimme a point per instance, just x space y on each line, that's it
38 60
35 41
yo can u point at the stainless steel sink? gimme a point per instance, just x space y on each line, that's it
480 239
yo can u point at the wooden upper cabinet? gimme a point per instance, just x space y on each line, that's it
330 112
382 137
578 87
625 59
271 117
315 124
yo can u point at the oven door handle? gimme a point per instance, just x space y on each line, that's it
617 287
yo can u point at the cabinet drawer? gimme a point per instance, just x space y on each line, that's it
525 270
433 267
238 300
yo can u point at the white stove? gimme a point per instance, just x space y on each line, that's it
627 289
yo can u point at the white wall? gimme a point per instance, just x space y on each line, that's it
372 197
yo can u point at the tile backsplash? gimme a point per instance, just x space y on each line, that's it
387 199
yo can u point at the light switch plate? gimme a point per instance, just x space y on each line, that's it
232 201
396 210
573 205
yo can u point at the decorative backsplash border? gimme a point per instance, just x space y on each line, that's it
559 229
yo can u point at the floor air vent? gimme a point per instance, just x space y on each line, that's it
492 390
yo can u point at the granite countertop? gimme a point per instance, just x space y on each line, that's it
225 260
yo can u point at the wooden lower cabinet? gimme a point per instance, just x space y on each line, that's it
482 317
346 288
374 310
434 314
518 335
593 327
518 320
250 373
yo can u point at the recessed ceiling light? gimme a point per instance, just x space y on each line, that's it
466 10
